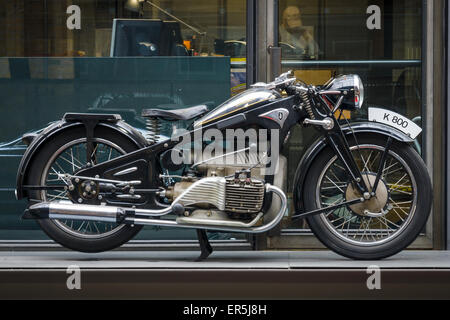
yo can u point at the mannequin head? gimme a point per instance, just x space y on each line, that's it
292 20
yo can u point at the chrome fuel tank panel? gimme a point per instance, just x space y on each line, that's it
241 101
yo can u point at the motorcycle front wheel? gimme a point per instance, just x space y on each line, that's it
382 226
67 153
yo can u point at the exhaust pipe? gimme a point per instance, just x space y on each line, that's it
70 211
207 226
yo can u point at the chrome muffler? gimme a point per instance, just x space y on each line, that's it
66 210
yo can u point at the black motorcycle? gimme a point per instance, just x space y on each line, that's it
93 181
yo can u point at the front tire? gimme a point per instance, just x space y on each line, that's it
356 232
64 154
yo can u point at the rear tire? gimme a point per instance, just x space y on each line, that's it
348 244
60 232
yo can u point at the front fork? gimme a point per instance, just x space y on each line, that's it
338 142
340 146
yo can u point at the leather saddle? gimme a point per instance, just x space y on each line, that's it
176 114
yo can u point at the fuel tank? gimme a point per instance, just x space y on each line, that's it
250 98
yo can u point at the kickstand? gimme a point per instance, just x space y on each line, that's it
205 246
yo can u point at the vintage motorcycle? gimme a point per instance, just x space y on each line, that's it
93 181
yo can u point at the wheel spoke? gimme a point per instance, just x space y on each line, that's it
335 185
75 159
375 159
94 155
81 226
339 167
344 223
365 168
397 186
389 166
74 166
402 192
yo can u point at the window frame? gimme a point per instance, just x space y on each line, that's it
435 227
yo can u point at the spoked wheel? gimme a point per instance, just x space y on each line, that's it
67 154
387 223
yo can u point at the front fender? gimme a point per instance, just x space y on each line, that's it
314 150
375 127
70 121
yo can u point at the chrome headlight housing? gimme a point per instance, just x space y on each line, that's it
352 88
359 92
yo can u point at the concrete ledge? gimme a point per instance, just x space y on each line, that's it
225 275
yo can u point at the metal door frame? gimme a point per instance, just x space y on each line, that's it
262 35
446 89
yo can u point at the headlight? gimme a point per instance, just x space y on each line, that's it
352 88
359 92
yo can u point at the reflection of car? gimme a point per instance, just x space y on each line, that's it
291 52
235 48
10 155
231 48
238 49
130 106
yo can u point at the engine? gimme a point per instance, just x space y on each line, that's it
240 195
244 195
226 194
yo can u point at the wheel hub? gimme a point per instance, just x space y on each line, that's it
83 191
376 205
89 189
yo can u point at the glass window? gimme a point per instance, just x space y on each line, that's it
43 27
109 56
379 40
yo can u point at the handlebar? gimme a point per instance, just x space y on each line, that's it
287 81
285 76
283 81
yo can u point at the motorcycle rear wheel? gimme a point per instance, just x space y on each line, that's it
400 210
61 154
